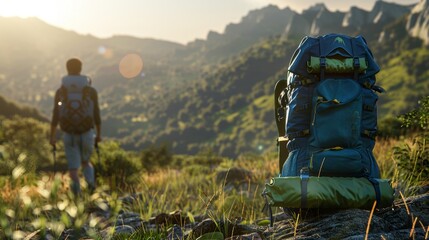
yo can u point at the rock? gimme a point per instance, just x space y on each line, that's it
400 234
129 218
206 226
228 228
391 223
417 22
72 234
169 219
131 199
124 229
233 175
175 233
395 222
418 207
252 236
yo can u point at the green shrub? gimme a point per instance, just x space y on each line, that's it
154 157
121 168
412 158
24 142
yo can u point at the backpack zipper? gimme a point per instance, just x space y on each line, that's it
321 100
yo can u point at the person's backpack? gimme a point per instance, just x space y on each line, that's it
326 115
76 108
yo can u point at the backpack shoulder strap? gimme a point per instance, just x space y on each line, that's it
62 93
280 117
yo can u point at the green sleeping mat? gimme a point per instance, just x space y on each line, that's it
328 192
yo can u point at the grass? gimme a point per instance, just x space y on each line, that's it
35 203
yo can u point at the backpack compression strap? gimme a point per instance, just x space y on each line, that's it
376 185
304 176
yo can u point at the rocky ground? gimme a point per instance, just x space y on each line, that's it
407 219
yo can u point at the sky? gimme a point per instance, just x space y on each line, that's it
179 21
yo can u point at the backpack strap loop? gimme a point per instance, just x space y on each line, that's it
368 108
369 134
378 89
302 133
302 81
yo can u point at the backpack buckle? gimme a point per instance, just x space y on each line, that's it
323 62
356 66
356 63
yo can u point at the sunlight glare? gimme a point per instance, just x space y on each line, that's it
131 65
44 9
107 53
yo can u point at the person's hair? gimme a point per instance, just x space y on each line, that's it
74 66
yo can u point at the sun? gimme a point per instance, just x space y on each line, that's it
43 9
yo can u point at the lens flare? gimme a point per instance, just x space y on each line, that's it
105 52
131 65
102 50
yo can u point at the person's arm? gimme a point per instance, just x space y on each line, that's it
54 121
97 117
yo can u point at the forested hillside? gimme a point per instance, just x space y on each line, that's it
213 93
9 109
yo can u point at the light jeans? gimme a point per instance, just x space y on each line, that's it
78 148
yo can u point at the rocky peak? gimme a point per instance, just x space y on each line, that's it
418 21
326 22
316 8
269 20
355 18
385 11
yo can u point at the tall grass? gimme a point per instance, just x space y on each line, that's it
30 203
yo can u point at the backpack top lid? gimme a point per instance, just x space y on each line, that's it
75 81
332 45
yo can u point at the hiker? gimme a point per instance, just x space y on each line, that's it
76 110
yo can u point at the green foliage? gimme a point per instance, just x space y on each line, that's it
155 157
10 109
45 206
418 118
405 77
390 127
24 142
121 168
413 158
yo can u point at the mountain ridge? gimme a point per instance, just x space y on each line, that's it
417 24
213 93
272 21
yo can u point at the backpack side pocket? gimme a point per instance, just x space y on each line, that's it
339 163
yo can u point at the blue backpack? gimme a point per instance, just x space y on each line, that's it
76 108
328 109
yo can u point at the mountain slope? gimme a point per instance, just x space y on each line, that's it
213 93
33 56
9 109
212 113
